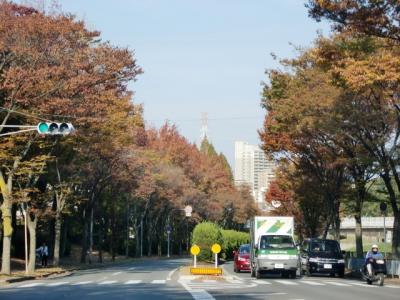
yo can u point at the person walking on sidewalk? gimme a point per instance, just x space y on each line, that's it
44 254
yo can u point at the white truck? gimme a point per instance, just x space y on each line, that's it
272 246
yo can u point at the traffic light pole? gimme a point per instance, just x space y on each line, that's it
28 128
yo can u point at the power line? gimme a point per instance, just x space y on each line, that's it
209 119
25 114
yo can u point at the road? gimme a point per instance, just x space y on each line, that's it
159 279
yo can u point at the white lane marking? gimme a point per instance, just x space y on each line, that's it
286 282
337 283
132 268
58 283
158 281
116 273
171 273
31 284
209 281
362 284
81 283
393 286
234 280
311 282
107 282
133 282
197 294
262 282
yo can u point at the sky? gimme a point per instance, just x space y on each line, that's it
202 56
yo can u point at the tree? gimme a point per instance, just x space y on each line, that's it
370 17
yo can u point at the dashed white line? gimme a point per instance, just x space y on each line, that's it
363 284
337 283
286 282
116 273
57 283
312 282
81 283
158 281
132 268
133 282
107 282
262 282
393 286
31 285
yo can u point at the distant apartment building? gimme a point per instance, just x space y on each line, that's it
253 169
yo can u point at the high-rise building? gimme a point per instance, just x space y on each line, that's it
253 169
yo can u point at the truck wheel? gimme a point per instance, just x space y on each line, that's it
258 274
293 274
341 273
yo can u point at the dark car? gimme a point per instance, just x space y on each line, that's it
321 256
242 258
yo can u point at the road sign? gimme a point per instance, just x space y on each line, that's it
188 211
216 248
195 250
169 229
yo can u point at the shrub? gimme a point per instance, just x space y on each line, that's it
205 235
232 239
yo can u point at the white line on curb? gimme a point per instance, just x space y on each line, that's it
171 273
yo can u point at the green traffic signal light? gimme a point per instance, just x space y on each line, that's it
43 128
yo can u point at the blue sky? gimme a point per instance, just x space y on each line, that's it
202 56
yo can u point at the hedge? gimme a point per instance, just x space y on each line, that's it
206 234
232 239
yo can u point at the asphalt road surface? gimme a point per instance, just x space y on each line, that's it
159 279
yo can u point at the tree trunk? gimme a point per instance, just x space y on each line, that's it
64 233
358 233
84 238
396 213
32 242
7 227
91 236
137 233
396 236
57 239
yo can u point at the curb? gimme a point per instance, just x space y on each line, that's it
25 278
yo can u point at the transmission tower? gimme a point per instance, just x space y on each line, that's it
204 126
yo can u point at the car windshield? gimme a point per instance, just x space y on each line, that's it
276 242
325 246
245 249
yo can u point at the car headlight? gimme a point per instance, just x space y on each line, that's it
312 259
340 261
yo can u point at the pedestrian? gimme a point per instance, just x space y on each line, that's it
44 254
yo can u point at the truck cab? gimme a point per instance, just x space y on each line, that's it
273 247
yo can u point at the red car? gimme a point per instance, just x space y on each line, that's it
242 259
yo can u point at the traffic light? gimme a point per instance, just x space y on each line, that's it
55 128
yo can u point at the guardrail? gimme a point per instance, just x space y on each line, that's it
393 266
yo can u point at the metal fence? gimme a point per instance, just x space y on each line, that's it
393 266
